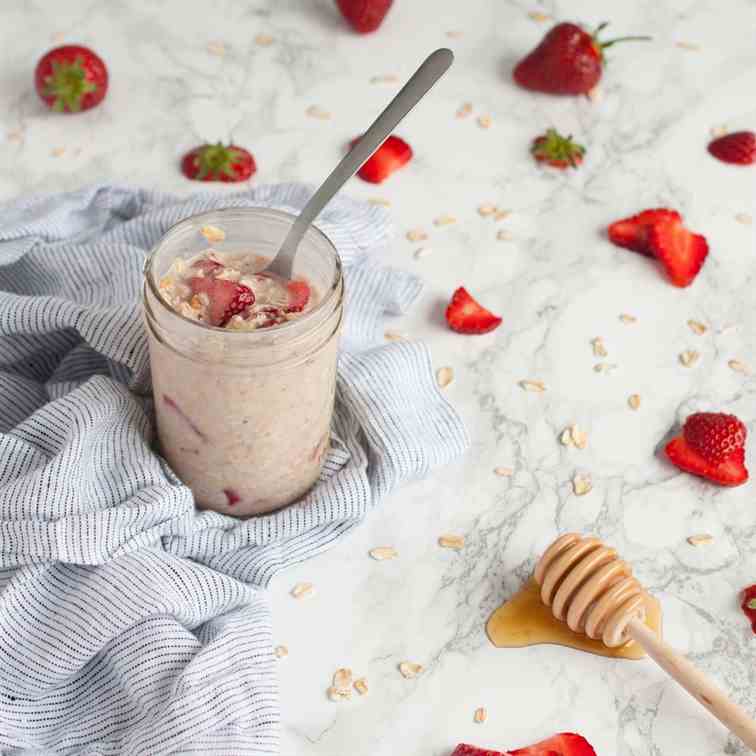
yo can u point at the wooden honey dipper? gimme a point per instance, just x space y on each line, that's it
590 588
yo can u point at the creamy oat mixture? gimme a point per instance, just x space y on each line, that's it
230 291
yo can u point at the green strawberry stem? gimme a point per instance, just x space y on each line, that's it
603 45
752 603
68 84
216 159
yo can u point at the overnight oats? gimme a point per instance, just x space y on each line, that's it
243 362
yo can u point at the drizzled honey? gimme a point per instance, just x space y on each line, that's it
525 620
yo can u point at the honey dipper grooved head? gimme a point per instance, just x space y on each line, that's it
590 588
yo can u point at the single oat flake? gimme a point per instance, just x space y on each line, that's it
484 121
503 472
264 40
301 590
486 209
530 385
697 327
361 686
342 679
281 652
504 235
58 152
416 234
382 553
444 220
480 715
15 135
456 542
582 484
737 366
216 48
539 16
502 214
315 111
381 201
464 110
573 436
744 218
387 79
393 336
634 401
599 350
444 376
700 539
410 669
455 34
422 252
625 318
604 367
718 131
337 695
689 357
213 233
687 45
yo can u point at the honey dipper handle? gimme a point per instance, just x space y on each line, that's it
709 695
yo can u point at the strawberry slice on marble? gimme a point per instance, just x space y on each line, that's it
562 744
227 298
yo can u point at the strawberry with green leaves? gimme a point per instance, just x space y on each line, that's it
218 162
71 79
557 151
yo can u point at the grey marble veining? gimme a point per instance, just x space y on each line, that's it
557 283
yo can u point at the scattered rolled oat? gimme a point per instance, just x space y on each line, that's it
582 484
422 252
361 686
594 93
416 234
379 201
700 540
264 40
464 110
599 350
213 233
393 336
196 303
410 669
718 131
382 553
486 209
502 214
689 357
388 79
16 135
573 436
697 327
58 37
484 121
625 318
604 367
300 590
315 111
744 218
216 48
480 715
634 401
342 679
535 386
456 542
58 152
455 34
539 16
687 45
444 376
444 220
738 366
337 695
504 235
503 472
281 652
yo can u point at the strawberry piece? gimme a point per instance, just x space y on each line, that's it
712 446
232 498
299 295
563 744
227 298
467 750
556 150
217 162
365 16
681 252
208 267
465 315
748 605
388 158
567 61
71 79
738 148
632 232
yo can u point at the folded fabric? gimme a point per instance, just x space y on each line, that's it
130 622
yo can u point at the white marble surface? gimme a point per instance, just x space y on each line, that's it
557 284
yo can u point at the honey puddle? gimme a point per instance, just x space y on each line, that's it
525 620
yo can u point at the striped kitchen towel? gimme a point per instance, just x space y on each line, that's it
130 623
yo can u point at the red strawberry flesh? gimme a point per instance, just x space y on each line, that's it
632 232
299 295
680 251
218 162
463 749
71 79
563 744
465 315
738 148
365 16
389 158
748 605
227 298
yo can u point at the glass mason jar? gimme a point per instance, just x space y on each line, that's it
243 417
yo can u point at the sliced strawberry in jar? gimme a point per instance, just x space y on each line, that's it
208 267
299 295
226 298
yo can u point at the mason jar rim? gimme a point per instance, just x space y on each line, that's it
289 326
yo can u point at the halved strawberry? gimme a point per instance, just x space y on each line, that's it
563 744
364 15
299 295
681 252
738 148
748 605
389 158
227 298
465 315
711 445
632 232
463 749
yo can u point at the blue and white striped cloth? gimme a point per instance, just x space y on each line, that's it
130 623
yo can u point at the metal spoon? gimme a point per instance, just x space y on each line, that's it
433 67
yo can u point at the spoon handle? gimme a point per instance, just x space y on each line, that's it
431 70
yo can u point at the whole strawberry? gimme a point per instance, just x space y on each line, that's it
556 150
738 148
365 16
217 162
568 61
71 79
